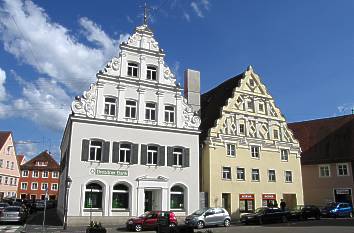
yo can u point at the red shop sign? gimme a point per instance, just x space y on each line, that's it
246 196
268 196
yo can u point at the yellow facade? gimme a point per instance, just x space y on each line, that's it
241 126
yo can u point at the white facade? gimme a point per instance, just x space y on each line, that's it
131 141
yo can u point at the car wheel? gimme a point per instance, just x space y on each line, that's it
227 222
283 219
138 227
172 224
200 224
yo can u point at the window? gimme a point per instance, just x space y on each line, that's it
0 179
120 197
240 173
271 176
45 174
41 163
124 153
24 173
6 180
255 151
226 173
255 174
12 165
132 69
288 176
342 169
54 187
324 171
261 107
231 150
35 174
275 134
152 155
11 179
7 164
24 186
130 109
1 163
177 198
55 174
150 111
250 105
242 128
169 114
284 155
15 181
251 82
93 196
34 186
151 73
44 186
110 106
177 157
95 151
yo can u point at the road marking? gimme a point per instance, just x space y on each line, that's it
9 229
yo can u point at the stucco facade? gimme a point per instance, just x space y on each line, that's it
131 142
9 171
249 157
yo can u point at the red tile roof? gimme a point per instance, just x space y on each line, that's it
20 158
327 140
43 157
4 135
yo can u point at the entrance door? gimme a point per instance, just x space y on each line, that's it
290 200
226 202
148 201
23 196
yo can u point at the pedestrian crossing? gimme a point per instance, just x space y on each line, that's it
9 229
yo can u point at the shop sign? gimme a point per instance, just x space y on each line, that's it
247 196
268 196
108 172
342 191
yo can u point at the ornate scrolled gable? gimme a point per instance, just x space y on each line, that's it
85 105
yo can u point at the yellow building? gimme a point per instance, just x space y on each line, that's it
249 157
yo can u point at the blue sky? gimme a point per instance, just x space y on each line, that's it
50 51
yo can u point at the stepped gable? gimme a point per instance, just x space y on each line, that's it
326 140
213 101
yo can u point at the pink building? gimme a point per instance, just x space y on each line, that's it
9 169
327 159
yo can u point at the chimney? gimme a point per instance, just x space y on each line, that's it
192 88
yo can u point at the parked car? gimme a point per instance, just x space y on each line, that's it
148 220
3 205
13 214
208 217
337 209
305 212
265 215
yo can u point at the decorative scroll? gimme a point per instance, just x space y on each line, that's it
190 118
85 104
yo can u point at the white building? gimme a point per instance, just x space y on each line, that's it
131 143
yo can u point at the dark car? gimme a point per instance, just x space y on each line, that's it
265 215
148 220
337 209
305 212
3 205
13 214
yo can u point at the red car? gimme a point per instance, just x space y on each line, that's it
149 220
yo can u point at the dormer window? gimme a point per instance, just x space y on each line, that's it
151 73
41 163
110 106
132 69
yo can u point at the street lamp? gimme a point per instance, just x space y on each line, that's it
68 182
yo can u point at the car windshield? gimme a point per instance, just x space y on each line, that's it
260 210
200 212
12 209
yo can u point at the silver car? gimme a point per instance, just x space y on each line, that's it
13 214
208 217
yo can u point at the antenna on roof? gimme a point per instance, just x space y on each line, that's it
146 13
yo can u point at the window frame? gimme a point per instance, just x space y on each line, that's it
33 184
150 112
124 149
258 174
24 183
226 173
286 177
46 184
271 175
324 166
51 187
151 70
43 172
255 154
132 68
23 172
230 147
179 193
109 106
152 154
347 169
121 191
55 176
130 109
243 173
282 155
35 172
94 191
168 114
95 147
177 155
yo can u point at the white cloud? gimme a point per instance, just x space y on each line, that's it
29 34
345 109
196 9
27 148
129 19
68 66
186 16
205 4
2 85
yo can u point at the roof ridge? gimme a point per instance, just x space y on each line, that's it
323 119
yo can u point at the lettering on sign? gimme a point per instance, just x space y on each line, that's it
342 191
108 172
247 196
268 196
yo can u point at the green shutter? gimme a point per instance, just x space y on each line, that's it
143 154
85 150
